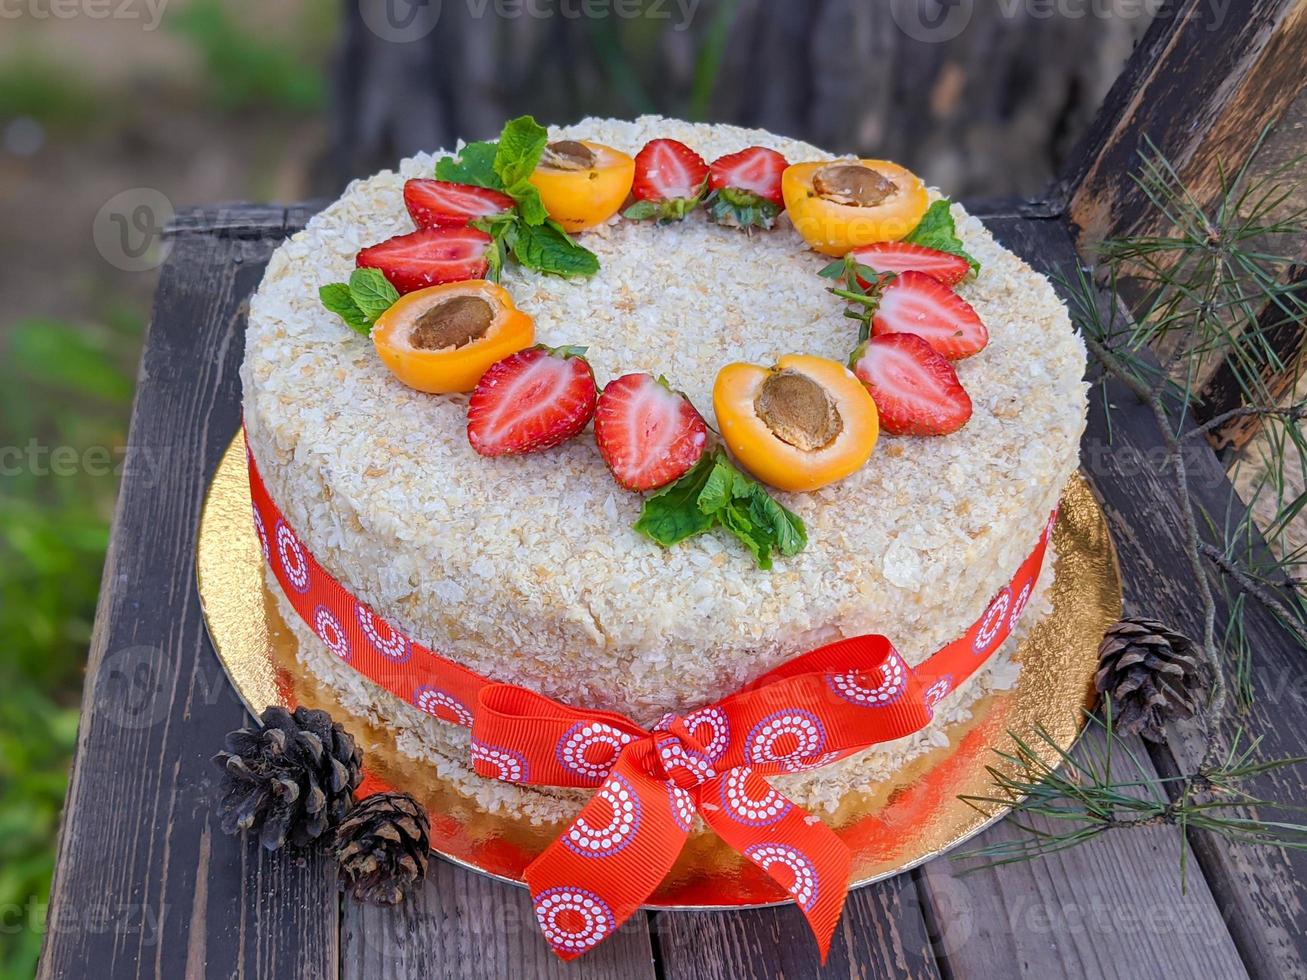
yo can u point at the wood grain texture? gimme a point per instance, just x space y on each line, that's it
1205 82
475 928
882 934
1113 907
146 884
1262 890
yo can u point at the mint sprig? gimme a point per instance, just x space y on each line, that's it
527 232
715 493
361 301
937 230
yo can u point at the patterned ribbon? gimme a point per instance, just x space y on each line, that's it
809 712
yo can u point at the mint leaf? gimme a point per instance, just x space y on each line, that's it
475 165
716 493
547 248
529 204
938 231
672 515
337 298
785 526
520 146
372 292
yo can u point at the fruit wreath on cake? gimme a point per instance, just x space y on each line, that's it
656 479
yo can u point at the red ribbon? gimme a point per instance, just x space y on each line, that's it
807 713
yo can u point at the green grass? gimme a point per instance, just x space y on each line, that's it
61 385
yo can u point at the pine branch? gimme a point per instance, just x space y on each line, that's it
1294 413
1201 290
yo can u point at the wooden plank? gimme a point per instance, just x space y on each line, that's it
882 934
145 884
1224 392
466 925
1204 83
1262 890
1115 906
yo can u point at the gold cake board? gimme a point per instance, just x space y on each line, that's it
890 827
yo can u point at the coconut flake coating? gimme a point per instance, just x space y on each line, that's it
527 569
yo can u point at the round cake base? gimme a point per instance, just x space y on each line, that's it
890 827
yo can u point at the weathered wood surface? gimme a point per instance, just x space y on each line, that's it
1205 82
146 885
918 81
139 831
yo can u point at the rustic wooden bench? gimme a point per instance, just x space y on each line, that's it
147 885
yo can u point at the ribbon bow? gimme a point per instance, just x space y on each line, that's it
807 713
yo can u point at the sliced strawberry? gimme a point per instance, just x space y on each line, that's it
916 391
532 400
442 204
756 170
428 257
670 181
917 303
899 257
648 434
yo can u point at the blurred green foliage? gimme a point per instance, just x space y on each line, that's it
38 86
61 385
246 69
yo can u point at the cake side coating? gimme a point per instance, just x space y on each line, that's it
527 570
446 747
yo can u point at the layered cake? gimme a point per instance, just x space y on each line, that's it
528 567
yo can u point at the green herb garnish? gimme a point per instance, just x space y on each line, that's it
362 300
937 230
527 232
714 493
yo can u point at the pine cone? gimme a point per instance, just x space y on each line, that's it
1152 674
293 776
383 847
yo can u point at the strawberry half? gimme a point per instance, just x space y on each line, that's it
916 391
532 400
917 303
670 181
442 204
428 257
747 188
899 257
648 434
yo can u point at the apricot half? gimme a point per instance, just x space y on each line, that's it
583 184
442 339
841 205
801 425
